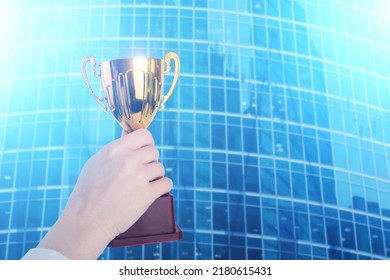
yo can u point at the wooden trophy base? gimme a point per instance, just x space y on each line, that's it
156 225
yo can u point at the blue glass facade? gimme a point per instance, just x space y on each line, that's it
277 136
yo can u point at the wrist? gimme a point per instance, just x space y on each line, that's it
75 238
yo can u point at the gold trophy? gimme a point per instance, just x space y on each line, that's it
133 94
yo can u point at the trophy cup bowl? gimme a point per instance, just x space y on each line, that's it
132 90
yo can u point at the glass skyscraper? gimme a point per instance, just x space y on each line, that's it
277 136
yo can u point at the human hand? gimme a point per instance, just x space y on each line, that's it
115 187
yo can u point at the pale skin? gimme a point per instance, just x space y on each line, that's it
115 187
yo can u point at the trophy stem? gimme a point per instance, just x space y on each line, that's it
156 225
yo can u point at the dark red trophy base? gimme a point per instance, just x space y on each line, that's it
156 225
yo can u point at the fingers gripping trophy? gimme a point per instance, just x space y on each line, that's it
133 94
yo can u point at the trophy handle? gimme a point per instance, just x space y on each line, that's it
92 60
167 60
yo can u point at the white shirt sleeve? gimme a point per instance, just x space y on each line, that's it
43 254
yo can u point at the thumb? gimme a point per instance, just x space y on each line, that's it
124 133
